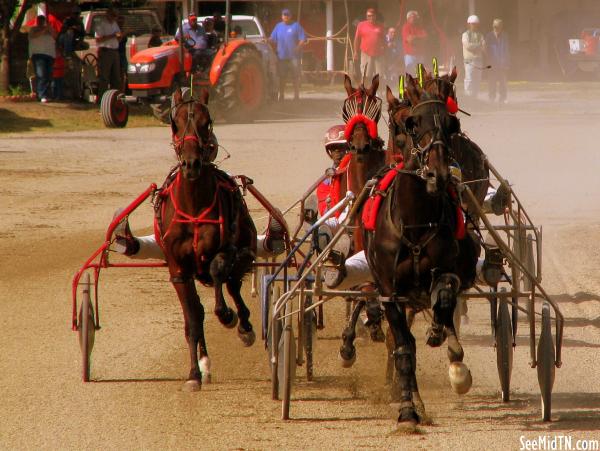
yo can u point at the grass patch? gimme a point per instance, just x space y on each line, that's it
56 117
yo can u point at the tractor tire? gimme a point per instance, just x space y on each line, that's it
242 86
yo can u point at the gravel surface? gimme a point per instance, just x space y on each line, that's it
59 192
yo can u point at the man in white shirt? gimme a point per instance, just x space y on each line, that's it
42 50
107 35
473 49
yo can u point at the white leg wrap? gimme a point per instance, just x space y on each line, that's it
149 248
357 272
261 250
487 202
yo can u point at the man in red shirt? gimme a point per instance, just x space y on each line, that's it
413 41
370 39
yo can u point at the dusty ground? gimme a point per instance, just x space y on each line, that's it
59 192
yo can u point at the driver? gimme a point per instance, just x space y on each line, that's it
194 37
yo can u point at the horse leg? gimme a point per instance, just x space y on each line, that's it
193 314
374 318
459 373
220 268
347 350
405 363
244 330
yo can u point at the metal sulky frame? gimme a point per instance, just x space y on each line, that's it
85 317
516 245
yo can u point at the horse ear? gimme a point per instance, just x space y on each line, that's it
453 74
389 95
204 96
372 91
348 85
177 97
412 91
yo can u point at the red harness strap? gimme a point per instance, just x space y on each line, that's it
371 208
182 217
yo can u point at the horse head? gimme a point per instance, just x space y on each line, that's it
193 138
430 126
361 113
400 142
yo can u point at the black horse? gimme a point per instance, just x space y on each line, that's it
413 254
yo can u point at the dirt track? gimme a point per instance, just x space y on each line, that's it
59 192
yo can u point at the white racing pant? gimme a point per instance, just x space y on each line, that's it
149 248
357 267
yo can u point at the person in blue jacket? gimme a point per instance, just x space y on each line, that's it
289 38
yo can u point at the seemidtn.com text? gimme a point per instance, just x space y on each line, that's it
558 443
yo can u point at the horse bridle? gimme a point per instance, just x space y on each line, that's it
421 153
206 146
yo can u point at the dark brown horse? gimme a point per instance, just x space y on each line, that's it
467 153
413 254
205 230
361 112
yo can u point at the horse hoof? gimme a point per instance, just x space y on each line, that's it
406 427
248 338
204 365
376 333
233 322
191 385
347 361
460 377
435 337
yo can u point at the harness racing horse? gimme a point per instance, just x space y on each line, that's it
203 225
413 254
468 154
361 112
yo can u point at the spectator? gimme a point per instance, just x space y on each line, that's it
42 50
212 38
108 35
219 24
289 38
497 51
155 39
369 38
122 52
58 75
393 56
194 37
473 47
72 34
414 37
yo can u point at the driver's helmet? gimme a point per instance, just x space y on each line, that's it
335 136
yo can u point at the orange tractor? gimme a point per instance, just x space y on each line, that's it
241 77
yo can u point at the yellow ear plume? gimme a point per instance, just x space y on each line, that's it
401 87
436 72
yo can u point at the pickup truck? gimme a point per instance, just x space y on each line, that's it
138 22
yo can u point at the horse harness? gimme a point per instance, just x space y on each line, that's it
171 186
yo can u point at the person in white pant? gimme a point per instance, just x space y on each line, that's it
473 45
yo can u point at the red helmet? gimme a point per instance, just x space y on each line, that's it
335 135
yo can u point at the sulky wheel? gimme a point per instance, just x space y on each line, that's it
504 347
113 109
86 329
287 363
242 86
274 335
310 336
546 363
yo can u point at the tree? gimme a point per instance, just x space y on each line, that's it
12 14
